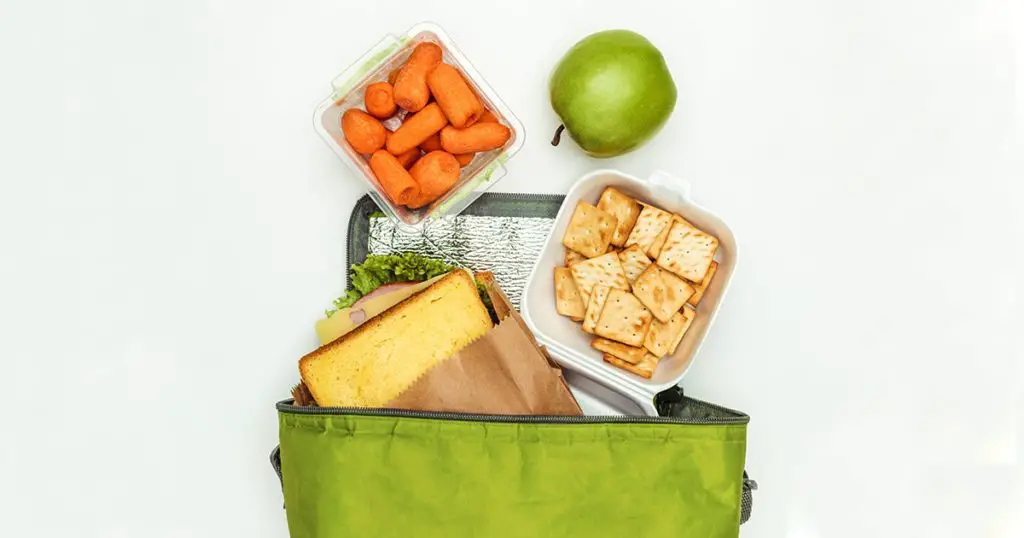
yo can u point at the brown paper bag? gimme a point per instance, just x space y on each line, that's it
505 372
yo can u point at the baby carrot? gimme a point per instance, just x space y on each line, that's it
417 129
419 201
394 179
475 138
465 158
409 157
406 158
364 133
435 173
432 144
456 98
488 117
393 75
411 91
380 100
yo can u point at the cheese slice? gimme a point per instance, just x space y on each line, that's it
340 324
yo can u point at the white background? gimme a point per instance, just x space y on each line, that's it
171 228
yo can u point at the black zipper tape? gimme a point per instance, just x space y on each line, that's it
721 416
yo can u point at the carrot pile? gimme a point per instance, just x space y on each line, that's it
445 127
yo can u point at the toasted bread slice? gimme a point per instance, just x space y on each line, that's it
373 364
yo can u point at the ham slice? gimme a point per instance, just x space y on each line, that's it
357 315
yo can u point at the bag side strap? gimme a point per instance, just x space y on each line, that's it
275 462
747 498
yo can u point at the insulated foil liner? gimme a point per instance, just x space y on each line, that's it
506 246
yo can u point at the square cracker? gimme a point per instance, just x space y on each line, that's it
659 242
688 252
648 226
624 319
634 262
605 269
623 352
624 208
679 218
590 230
702 287
567 298
661 292
645 368
594 305
661 337
688 315
571 257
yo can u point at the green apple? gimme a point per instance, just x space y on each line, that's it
613 92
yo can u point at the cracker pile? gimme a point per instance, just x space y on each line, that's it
633 277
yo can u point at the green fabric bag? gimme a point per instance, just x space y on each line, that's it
353 473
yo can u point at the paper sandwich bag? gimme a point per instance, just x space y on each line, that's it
505 372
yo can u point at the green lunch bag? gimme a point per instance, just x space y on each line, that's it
379 473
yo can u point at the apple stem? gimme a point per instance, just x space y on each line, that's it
558 135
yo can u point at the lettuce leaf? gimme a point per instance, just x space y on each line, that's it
345 301
368 278
486 298
380 269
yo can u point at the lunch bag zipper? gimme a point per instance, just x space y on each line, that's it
737 418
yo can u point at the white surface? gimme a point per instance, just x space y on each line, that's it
166 201
566 342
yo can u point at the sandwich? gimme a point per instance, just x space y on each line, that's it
405 315
379 283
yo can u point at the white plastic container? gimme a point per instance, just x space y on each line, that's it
564 339
374 66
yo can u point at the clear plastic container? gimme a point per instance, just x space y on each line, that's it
568 344
374 66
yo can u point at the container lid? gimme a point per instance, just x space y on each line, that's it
390 53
